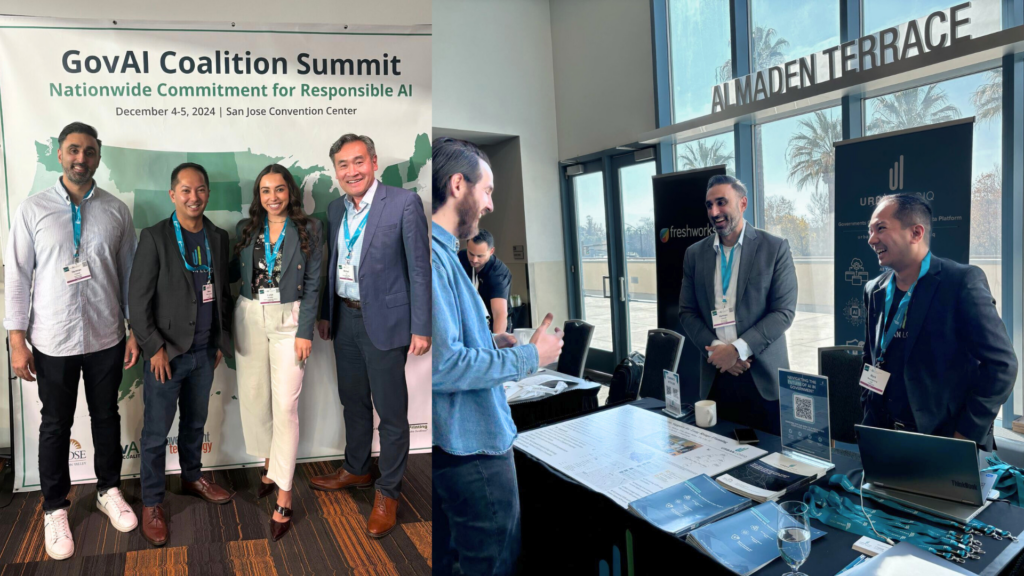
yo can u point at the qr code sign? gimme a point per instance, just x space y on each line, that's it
803 408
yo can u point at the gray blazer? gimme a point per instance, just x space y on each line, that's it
300 278
766 304
162 298
394 268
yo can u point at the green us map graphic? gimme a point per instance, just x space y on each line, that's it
146 175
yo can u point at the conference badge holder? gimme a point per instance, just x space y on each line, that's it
270 295
722 317
77 272
207 293
803 409
346 272
874 378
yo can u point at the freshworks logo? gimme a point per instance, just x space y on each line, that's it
664 235
673 232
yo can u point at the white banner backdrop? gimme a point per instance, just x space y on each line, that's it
233 98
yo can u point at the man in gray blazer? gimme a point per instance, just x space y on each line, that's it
377 310
737 300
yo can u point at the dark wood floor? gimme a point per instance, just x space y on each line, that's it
328 536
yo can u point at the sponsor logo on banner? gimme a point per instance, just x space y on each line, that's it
172 444
686 232
130 451
857 275
77 456
896 175
414 428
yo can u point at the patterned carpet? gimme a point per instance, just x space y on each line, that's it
328 536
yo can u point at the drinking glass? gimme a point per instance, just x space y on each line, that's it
794 535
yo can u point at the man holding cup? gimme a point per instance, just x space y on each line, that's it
474 479
737 300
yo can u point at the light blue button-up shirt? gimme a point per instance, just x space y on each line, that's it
471 414
355 217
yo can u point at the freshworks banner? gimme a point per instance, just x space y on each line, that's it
233 98
933 162
681 221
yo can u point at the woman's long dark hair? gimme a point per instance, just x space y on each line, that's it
257 213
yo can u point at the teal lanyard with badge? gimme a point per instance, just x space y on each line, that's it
726 270
350 242
901 309
181 249
76 220
271 253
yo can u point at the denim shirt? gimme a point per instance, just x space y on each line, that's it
471 414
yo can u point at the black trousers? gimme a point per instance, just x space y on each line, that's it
369 378
57 378
738 400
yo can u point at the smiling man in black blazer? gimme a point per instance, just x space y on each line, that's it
937 356
180 305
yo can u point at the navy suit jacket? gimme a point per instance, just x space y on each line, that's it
394 268
960 366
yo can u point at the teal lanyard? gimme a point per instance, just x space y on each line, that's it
271 253
181 249
76 218
726 270
1009 480
351 242
901 309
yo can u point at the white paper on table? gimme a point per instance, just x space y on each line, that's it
534 387
627 453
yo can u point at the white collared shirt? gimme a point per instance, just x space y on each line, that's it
728 334
82 318
354 217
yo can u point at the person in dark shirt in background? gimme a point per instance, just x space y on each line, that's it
491 277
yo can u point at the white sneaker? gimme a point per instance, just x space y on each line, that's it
120 513
59 544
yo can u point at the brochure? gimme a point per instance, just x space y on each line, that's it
770 477
688 505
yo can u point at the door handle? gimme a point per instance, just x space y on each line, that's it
622 288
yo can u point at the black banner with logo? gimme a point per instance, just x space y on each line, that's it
933 162
681 220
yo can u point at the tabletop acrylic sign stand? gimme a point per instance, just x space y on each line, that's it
803 408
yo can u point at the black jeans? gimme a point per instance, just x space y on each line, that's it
57 378
738 400
476 513
369 378
189 387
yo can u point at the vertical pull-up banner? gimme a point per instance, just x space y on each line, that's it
933 162
681 221
233 98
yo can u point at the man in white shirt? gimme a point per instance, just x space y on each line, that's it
79 242
737 300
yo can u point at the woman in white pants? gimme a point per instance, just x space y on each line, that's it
278 258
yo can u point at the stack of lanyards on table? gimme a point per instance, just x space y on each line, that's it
1009 480
836 511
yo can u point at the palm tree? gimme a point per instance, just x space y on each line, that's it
988 98
766 48
811 156
701 154
912 108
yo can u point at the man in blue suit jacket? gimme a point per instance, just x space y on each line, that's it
377 310
949 361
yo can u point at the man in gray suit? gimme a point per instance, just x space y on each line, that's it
377 310
737 300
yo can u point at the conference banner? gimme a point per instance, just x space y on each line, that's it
234 98
681 221
933 162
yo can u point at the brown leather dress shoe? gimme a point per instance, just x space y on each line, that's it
154 527
278 529
341 479
382 518
207 491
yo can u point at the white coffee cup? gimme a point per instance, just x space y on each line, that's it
706 413
523 335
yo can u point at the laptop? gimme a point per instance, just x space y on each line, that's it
941 476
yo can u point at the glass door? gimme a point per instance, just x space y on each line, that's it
636 191
593 272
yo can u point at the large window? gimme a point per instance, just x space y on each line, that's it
985 15
706 152
978 95
699 43
795 171
786 29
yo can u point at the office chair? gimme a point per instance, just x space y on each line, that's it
575 347
664 347
843 366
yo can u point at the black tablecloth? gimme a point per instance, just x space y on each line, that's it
570 529
528 415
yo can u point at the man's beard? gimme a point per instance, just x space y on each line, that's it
728 230
468 212
69 173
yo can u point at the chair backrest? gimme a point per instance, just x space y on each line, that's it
843 366
664 347
575 347
625 384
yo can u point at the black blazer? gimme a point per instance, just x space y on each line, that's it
162 298
960 366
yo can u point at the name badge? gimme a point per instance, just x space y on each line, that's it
207 293
347 272
722 317
270 295
76 273
874 379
